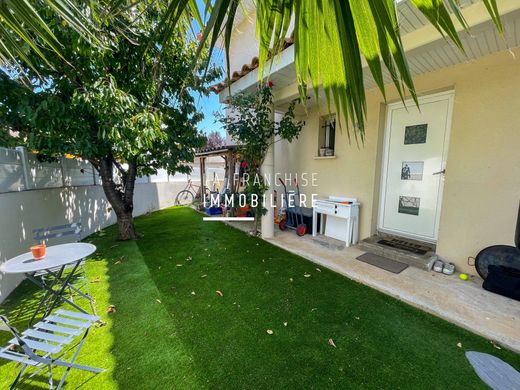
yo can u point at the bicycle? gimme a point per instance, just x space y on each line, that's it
190 193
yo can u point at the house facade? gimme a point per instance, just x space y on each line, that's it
447 174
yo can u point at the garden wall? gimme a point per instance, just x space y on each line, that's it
21 212
36 194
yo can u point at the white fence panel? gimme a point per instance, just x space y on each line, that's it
11 171
160 177
142 180
195 173
77 172
44 174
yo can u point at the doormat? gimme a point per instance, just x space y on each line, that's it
405 245
382 262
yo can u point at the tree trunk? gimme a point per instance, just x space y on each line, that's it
120 197
125 226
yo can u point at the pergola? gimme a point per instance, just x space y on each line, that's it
230 154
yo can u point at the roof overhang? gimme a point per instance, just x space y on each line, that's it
218 151
426 49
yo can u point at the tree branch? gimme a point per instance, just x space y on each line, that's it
119 167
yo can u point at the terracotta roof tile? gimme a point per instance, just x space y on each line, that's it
246 69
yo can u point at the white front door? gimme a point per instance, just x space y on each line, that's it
414 161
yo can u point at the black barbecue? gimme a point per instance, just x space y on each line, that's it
499 266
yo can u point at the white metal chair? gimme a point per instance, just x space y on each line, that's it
43 345
42 235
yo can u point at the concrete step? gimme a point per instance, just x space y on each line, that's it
425 261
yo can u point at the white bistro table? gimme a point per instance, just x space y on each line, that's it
52 267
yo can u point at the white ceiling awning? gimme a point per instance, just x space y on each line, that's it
426 49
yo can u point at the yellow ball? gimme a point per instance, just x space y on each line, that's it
463 276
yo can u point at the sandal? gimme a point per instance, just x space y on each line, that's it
438 266
449 269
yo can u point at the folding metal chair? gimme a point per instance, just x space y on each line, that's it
43 345
42 235
70 232
56 233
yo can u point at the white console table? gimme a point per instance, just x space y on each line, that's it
344 211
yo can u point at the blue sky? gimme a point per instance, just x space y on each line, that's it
210 104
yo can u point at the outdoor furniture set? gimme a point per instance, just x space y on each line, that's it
44 344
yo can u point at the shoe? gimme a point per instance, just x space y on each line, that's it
449 269
438 266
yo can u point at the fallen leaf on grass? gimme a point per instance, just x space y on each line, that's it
96 280
494 344
285 324
307 275
459 344
219 293
357 318
269 331
188 258
100 323
331 342
203 276
111 309
317 269
114 246
179 265
158 301
290 279
193 293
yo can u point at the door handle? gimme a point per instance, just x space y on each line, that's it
440 172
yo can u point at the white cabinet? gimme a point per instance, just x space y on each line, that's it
339 219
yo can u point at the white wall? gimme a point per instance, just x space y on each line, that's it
21 212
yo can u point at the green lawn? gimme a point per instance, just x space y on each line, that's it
172 330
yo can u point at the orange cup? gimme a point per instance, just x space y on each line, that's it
38 251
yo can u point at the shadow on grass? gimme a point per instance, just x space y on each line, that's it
194 301
19 308
224 290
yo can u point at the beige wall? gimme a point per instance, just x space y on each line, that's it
482 183
21 212
245 45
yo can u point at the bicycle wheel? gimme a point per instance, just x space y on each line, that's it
203 196
184 198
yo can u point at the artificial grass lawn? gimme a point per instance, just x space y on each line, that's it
172 330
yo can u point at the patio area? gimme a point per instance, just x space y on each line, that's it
203 305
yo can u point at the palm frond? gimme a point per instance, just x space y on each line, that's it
332 37
23 29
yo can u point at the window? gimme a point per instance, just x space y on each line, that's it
415 134
327 136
